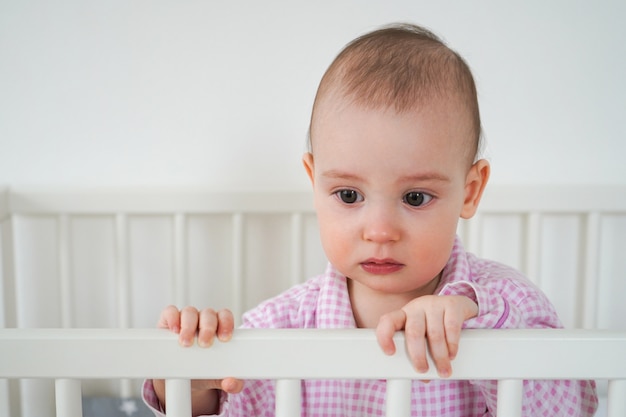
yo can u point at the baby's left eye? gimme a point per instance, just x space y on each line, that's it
416 199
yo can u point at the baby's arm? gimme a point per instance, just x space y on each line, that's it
206 324
430 322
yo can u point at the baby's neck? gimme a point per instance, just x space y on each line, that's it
368 305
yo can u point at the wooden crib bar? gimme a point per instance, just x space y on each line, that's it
68 397
69 355
178 397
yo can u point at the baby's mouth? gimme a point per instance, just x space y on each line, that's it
381 266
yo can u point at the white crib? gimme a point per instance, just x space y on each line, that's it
112 258
69 355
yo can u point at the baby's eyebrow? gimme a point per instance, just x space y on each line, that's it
342 175
411 178
425 177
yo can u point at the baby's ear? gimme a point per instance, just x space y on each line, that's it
475 183
307 160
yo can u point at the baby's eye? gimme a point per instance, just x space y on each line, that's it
349 196
417 199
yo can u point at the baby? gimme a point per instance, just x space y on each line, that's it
394 163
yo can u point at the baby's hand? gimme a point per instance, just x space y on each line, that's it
432 322
206 324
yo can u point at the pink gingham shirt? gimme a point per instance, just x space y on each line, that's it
505 298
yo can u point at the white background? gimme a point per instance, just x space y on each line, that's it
218 93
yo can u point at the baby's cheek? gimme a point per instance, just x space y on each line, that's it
337 241
337 252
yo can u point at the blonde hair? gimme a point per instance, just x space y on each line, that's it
401 66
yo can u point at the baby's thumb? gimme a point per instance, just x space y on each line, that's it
231 385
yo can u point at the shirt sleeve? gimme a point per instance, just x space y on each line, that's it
507 300
150 398
506 305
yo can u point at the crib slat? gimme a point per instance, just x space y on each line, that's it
398 398
68 398
123 285
179 285
590 261
5 398
533 247
65 281
616 405
510 397
122 264
178 397
7 306
238 262
288 398
296 248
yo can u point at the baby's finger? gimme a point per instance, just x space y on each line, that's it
388 325
438 345
232 385
415 339
188 325
452 324
225 325
169 319
207 327
454 318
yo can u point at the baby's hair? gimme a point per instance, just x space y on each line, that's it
402 66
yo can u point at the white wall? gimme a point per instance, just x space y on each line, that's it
218 93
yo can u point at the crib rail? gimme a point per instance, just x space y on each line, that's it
497 199
69 355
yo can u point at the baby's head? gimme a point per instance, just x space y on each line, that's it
393 159
405 68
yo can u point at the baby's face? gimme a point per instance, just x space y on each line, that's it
389 190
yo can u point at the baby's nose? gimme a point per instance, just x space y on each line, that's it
381 227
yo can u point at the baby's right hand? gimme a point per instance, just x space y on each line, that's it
206 324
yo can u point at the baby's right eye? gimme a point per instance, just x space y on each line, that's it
349 196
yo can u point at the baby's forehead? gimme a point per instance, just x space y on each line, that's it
447 109
438 113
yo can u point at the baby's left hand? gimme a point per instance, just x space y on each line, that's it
431 320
